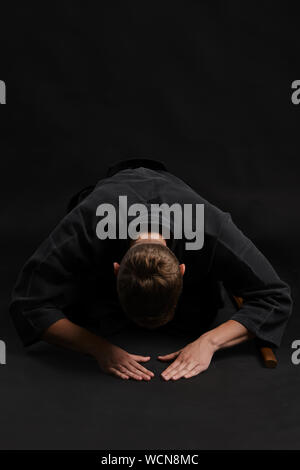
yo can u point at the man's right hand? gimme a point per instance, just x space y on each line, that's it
117 361
110 358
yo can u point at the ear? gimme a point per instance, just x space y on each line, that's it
116 268
182 269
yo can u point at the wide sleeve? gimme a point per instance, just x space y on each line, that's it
48 281
245 272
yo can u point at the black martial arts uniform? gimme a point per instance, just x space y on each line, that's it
71 273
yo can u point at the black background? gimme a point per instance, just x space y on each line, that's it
203 86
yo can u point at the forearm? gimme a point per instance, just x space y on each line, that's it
66 334
228 334
111 358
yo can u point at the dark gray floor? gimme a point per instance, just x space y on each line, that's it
56 399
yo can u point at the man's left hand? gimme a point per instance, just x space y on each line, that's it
189 361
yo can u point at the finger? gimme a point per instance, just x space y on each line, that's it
130 373
119 374
133 368
174 366
182 372
143 369
178 366
140 358
197 370
168 357
176 371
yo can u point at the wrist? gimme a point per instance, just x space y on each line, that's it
97 346
211 339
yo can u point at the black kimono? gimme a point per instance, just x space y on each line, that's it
71 273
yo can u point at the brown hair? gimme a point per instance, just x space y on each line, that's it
149 284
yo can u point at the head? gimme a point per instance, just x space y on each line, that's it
149 283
